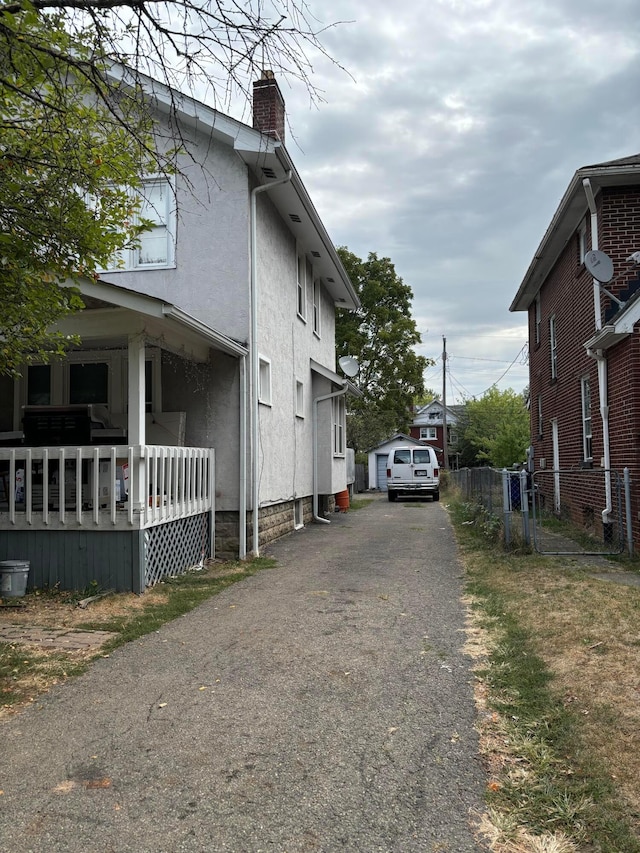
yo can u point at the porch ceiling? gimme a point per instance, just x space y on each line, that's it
130 313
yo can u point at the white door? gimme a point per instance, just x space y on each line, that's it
556 465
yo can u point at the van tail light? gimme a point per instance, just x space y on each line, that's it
435 472
388 472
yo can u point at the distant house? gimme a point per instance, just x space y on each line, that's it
584 347
428 427
377 459
201 413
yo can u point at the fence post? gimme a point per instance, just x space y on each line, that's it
627 506
506 506
524 506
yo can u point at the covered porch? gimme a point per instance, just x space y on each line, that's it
110 492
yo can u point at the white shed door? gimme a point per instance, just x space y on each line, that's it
381 472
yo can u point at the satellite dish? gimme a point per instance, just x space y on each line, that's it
349 365
599 265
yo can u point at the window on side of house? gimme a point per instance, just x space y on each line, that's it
264 381
553 342
39 385
299 399
453 438
538 318
428 433
539 416
587 448
89 383
301 306
582 242
317 291
156 246
338 425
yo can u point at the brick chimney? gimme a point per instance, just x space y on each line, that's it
268 106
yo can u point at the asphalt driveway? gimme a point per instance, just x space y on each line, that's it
322 705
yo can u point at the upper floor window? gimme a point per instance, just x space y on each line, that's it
538 317
338 425
453 438
316 306
305 273
582 242
539 416
553 342
586 419
156 246
428 433
264 380
435 416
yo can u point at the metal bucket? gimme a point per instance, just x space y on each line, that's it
13 578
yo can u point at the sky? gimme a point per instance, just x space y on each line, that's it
447 142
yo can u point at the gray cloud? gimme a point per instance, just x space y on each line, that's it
451 143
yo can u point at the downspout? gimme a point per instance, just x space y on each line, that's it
242 532
601 360
254 352
317 400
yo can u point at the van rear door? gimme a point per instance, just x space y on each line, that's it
422 465
401 465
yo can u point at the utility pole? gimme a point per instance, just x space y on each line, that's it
445 448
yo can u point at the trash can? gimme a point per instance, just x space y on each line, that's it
13 578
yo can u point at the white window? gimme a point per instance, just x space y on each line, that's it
538 310
582 242
435 416
299 399
586 419
156 249
264 381
338 425
539 416
428 433
304 273
317 291
553 342
453 438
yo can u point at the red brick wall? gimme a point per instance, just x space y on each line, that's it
567 293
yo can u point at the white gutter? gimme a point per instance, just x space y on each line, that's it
254 352
317 400
601 360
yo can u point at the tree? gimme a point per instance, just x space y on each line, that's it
76 136
382 335
495 429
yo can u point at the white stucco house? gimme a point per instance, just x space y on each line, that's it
202 413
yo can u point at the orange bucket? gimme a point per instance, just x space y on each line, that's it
342 500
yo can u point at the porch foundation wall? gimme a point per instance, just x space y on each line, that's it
74 559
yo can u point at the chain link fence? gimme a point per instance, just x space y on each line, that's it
557 512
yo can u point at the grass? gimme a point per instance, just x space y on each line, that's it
557 691
25 671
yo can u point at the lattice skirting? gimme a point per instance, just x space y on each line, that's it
173 548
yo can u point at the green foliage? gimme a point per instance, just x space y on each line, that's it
494 430
69 161
382 335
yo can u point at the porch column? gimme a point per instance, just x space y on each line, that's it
136 419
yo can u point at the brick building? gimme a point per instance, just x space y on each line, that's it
428 426
584 349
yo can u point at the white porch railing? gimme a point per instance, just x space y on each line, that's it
138 486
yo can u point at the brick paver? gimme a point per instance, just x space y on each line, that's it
68 639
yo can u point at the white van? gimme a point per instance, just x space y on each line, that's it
413 471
